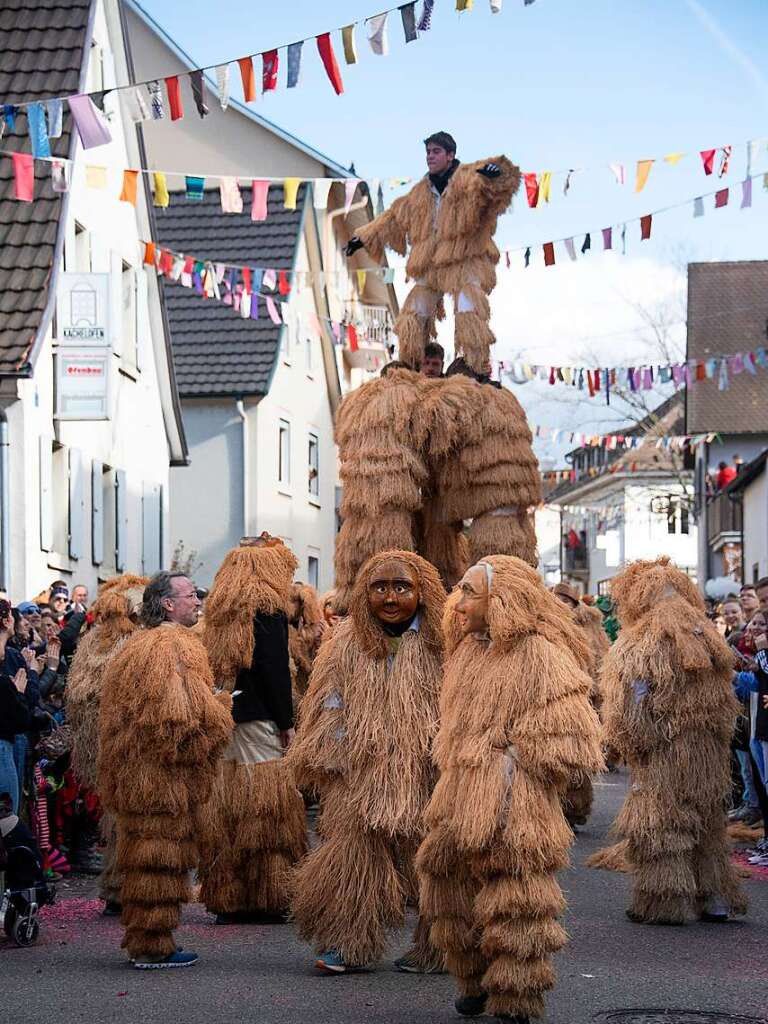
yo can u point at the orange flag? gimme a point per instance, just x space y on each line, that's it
643 170
130 181
249 81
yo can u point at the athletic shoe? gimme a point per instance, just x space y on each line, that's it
177 959
760 860
332 963
471 1006
708 918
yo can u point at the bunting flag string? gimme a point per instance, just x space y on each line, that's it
597 381
619 441
93 129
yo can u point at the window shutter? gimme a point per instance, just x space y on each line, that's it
97 513
151 534
46 493
76 503
121 519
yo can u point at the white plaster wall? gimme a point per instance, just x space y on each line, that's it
646 534
298 394
207 495
756 528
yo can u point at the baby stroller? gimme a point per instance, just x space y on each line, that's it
23 890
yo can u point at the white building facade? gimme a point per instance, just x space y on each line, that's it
91 418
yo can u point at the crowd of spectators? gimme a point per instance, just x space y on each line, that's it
38 639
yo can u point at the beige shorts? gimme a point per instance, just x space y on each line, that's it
254 743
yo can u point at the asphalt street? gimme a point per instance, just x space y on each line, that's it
77 971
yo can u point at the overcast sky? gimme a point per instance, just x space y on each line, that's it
559 84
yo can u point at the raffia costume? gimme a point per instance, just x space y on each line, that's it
257 827
515 723
161 732
577 802
670 712
114 613
418 457
452 252
364 740
306 614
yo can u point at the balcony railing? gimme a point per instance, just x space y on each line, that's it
724 519
377 324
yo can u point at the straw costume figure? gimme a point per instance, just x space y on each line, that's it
257 828
364 741
115 614
670 711
161 732
421 455
305 629
515 724
448 219
577 804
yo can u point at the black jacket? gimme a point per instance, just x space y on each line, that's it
15 713
265 688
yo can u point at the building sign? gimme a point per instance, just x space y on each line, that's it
82 384
82 309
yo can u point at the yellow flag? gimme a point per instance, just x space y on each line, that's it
290 188
360 281
643 170
464 5
673 158
95 177
348 39
545 187
162 198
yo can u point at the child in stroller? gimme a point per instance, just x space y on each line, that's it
23 889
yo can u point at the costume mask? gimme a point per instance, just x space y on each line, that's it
393 593
473 604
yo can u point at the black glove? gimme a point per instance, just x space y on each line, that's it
352 246
490 171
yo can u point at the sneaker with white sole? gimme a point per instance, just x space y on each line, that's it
180 958
332 962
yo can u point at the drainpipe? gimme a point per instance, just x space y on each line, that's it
239 405
5 506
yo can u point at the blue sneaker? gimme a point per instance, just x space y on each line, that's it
180 958
332 963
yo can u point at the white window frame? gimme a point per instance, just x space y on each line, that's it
313 483
313 570
284 452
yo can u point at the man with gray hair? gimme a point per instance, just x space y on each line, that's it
161 732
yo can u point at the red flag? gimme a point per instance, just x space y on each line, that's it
189 264
24 176
708 159
549 254
551 375
246 74
174 97
721 198
269 63
166 261
284 285
325 48
645 227
247 280
531 189
149 253
352 337
701 371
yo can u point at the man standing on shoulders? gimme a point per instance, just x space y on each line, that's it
161 730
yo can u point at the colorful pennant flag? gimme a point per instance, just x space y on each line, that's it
328 57
24 176
377 34
156 101
173 91
231 197
248 79
95 177
196 81
195 187
259 193
408 17
269 63
348 42
643 170
321 187
290 191
222 82
295 51
708 160
721 198
645 227
130 185
38 131
54 112
549 254
531 189
89 121
162 197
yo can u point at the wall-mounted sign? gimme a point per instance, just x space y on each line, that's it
82 384
82 309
